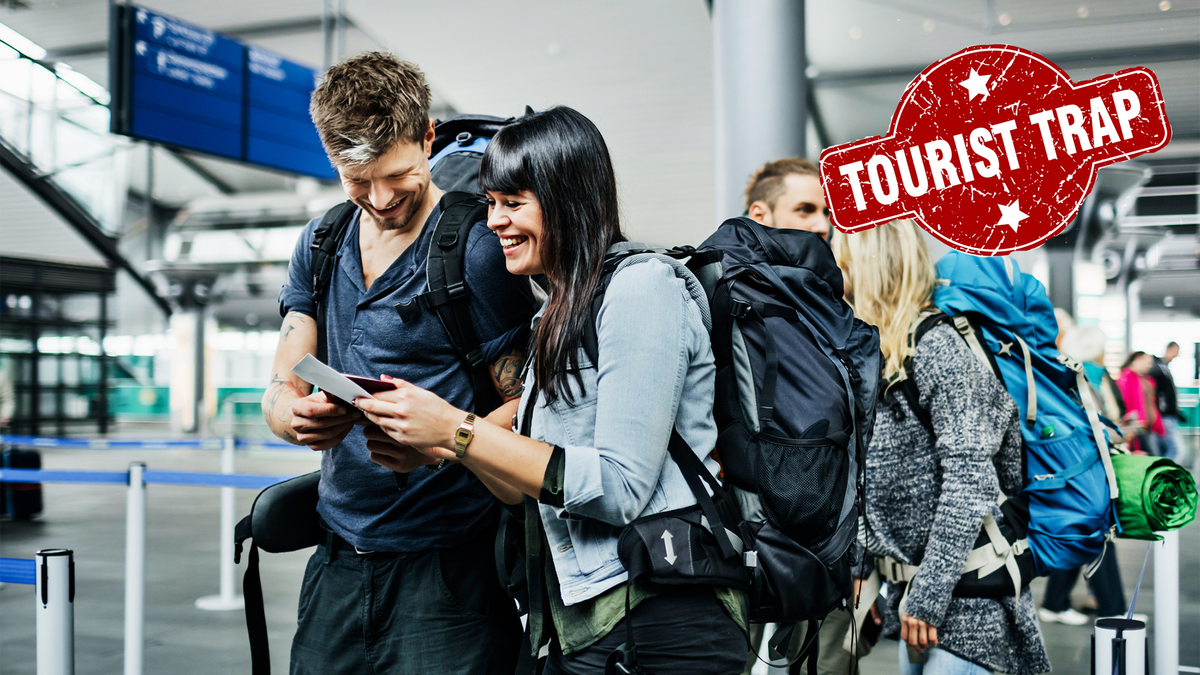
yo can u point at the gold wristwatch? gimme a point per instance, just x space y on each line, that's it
463 435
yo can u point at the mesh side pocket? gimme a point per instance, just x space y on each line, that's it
802 487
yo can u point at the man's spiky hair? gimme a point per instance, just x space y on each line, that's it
367 104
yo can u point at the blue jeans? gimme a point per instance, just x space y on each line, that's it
1148 443
1170 443
938 662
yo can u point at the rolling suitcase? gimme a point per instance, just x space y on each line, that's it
21 501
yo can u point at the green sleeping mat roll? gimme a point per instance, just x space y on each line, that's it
1156 495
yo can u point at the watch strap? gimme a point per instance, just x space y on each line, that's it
463 435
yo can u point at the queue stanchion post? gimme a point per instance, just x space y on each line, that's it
227 600
55 609
1166 604
135 568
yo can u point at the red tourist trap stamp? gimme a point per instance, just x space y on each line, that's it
993 149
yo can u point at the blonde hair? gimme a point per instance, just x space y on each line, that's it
892 280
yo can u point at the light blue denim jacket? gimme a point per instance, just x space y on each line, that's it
656 372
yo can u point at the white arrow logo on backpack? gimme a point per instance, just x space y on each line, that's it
666 537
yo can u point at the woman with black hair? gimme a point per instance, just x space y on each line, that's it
594 455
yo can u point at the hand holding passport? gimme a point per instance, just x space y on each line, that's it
342 389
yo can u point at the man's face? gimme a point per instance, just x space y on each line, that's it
393 188
800 207
1171 353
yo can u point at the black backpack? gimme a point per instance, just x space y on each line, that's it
797 375
283 517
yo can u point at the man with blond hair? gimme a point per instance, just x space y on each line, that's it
404 582
787 194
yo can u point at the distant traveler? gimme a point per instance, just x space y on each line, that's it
927 494
1168 406
787 194
1085 344
8 401
596 454
1141 402
399 586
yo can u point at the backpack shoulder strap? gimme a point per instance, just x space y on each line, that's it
906 378
698 262
327 237
256 616
446 291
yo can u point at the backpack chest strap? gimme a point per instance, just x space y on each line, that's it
997 553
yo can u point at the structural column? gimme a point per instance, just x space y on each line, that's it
761 112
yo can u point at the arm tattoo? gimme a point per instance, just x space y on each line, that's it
507 373
290 324
274 393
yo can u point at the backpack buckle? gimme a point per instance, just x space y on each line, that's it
475 359
463 137
456 290
739 309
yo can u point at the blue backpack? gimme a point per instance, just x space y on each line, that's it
1007 319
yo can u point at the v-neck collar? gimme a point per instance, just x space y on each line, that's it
407 263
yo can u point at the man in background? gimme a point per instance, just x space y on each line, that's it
8 401
1168 406
787 194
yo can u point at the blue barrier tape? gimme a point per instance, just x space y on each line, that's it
112 443
18 571
234 480
262 443
44 476
143 443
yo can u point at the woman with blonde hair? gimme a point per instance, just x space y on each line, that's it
927 493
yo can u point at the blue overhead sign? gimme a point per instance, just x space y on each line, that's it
189 87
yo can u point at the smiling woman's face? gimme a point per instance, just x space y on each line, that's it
517 219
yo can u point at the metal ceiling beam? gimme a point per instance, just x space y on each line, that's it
299 26
73 212
1095 58
201 171
814 114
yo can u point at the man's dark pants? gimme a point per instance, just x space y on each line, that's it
440 611
1105 584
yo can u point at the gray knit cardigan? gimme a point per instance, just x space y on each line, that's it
926 499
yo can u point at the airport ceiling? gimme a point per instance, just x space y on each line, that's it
643 70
